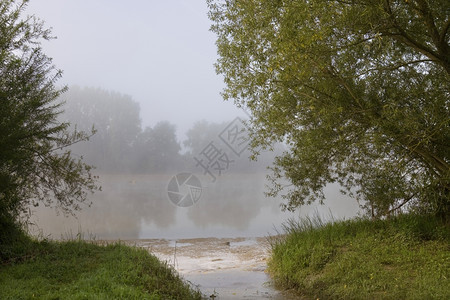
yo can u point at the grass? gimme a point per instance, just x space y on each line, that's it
83 270
405 257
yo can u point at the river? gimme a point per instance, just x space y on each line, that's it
219 243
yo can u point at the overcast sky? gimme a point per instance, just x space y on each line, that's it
159 52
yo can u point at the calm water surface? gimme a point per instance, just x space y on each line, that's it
138 206
217 244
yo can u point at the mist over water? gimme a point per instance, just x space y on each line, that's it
142 74
144 196
137 206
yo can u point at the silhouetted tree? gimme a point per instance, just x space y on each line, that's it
203 133
116 120
157 149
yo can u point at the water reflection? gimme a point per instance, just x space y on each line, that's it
118 210
232 201
137 206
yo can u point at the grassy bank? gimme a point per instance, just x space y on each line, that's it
81 270
406 257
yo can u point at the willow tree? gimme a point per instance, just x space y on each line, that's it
34 165
359 90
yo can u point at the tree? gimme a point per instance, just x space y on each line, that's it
116 120
34 165
202 133
157 149
359 90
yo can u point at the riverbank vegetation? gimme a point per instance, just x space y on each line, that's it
38 168
358 91
82 270
405 257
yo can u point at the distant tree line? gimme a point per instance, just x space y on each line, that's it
122 144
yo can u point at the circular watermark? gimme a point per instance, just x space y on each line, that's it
184 189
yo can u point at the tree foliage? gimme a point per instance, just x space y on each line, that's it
115 118
202 133
358 89
120 144
157 149
34 165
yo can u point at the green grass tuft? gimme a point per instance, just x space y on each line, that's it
82 270
406 257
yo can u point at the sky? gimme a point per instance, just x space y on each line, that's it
161 53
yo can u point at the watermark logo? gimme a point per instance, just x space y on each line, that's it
235 136
184 189
211 158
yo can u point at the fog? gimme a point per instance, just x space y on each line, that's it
137 206
142 73
161 53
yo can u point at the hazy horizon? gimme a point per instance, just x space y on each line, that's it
160 53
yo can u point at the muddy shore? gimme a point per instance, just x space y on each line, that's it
227 268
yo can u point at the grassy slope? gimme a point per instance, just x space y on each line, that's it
80 270
407 257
